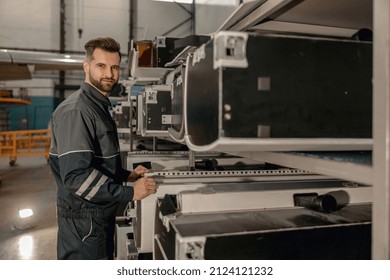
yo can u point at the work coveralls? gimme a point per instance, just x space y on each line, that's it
85 162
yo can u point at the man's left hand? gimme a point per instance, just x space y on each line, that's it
137 173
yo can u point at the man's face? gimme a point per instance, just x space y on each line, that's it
102 71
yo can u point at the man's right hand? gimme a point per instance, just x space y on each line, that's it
144 187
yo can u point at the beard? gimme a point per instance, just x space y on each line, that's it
104 84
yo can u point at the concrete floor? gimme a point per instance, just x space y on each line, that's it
28 184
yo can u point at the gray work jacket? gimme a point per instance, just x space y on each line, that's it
84 156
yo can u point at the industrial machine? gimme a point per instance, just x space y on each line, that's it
257 85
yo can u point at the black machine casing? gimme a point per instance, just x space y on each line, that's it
163 50
279 92
276 234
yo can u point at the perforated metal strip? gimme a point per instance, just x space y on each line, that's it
234 173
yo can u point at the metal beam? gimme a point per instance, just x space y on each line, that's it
62 46
133 19
381 131
193 18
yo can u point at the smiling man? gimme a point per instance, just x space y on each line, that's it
85 161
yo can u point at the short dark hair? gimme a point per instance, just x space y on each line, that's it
105 43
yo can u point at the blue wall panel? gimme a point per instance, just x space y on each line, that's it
34 116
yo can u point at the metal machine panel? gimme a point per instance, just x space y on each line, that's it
177 161
161 162
145 214
284 234
163 50
122 114
165 169
244 197
265 195
154 110
145 209
158 160
276 92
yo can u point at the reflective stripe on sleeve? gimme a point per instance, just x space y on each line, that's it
87 182
96 188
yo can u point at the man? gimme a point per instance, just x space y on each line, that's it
85 161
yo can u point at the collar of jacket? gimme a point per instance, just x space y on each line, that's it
95 94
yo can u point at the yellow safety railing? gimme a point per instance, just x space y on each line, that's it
25 143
